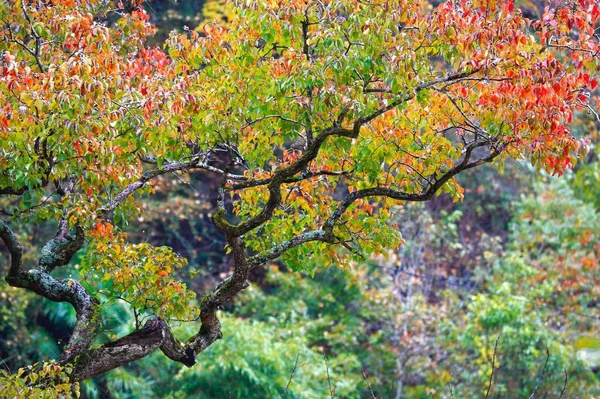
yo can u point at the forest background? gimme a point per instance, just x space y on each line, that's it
505 284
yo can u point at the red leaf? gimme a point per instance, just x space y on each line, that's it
594 84
586 78
556 87
511 6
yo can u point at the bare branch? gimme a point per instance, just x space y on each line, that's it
331 390
541 374
277 251
491 380
404 98
274 116
141 182
38 39
281 175
210 329
424 195
287 386
366 377
199 165
67 290
564 388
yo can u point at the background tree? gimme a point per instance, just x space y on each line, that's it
307 112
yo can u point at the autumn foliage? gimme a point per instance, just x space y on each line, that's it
318 116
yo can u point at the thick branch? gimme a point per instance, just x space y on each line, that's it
174 350
282 175
326 233
312 150
132 347
210 330
60 250
44 285
67 290
155 334
14 248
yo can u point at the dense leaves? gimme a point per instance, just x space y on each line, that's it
316 117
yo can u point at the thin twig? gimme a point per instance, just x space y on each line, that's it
366 377
541 375
182 180
592 111
4 364
331 391
564 389
451 386
489 388
291 376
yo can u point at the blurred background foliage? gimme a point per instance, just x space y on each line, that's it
505 283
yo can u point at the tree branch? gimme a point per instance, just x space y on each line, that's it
149 175
210 330
199 165
312 150
60 250
564 388
402 99
68 290
541 374
425 195
325 234
283 174
277 251
303 176
155 334
491 380
14 249
262 118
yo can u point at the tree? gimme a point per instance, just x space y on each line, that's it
318 117
538 304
